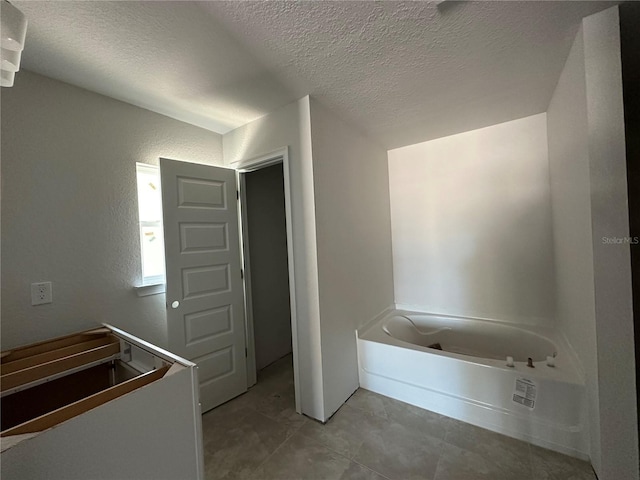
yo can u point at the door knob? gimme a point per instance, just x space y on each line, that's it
175 304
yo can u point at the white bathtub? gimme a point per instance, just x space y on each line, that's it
469 378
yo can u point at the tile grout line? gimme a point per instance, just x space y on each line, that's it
435 472
386 417
349 459
269 456
369 468
530 461
352 458
329 447
289 437
447 420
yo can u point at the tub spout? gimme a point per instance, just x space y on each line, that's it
530 363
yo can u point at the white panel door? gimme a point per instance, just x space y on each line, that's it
205 306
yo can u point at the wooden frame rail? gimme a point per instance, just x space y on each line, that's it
41 358
19 370
53 344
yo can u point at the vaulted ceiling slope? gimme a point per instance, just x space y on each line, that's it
402 72
170 57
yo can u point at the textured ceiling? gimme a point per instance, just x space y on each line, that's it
169 57
403 72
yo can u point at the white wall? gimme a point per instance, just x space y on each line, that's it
570 180
354 244
341 240
266 237
290 126
471 224
589 192
611 263
69 207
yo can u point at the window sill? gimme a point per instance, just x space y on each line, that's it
152 289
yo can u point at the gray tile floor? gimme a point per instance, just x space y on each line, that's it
259 436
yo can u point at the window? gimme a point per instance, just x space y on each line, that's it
150 215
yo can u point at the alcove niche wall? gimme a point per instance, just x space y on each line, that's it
518 222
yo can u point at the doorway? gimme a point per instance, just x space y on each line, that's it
203 222
265 211
266 263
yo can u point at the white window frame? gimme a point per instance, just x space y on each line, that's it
150 284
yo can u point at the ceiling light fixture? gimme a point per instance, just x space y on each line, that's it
13 31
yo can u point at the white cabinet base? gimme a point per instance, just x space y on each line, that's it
153 432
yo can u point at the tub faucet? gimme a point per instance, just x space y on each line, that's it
530 363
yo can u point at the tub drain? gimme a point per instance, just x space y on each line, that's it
435 346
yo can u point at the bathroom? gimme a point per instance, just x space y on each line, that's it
532 260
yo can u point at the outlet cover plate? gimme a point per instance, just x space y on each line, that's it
41 293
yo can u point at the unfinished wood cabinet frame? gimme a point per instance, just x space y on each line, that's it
142 403
25 367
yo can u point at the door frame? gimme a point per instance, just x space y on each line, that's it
281 155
